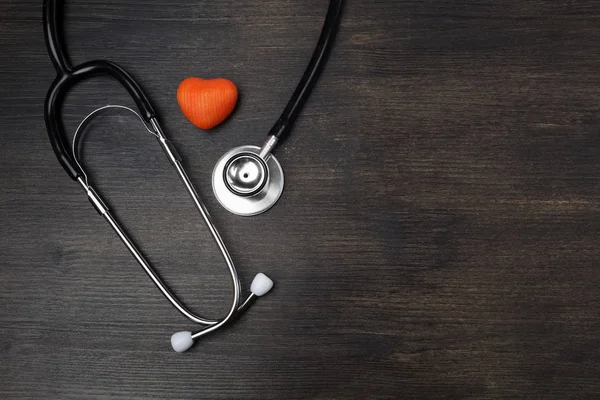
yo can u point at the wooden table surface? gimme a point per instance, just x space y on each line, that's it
437 237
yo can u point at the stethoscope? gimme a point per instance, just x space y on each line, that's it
247 180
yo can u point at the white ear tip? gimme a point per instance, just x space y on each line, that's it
261 284
181 341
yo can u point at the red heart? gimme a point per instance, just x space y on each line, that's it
207 102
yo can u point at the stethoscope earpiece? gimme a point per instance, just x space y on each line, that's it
181 341
261 285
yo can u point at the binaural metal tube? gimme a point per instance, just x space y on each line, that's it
236 308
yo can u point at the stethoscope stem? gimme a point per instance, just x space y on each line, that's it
267 148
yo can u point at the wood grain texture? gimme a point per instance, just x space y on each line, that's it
437 237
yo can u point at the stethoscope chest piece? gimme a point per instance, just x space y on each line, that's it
247 182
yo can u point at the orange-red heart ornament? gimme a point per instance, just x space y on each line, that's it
207 102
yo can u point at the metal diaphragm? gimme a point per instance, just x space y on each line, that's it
246 184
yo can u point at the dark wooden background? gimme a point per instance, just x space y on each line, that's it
437 237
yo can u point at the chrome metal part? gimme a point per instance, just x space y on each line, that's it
236 308
246 174
242 197
265 151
